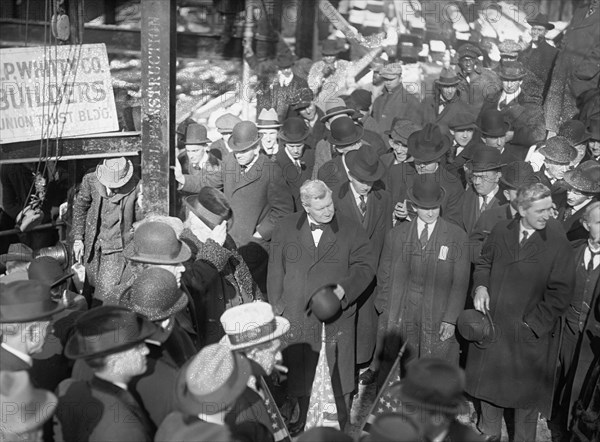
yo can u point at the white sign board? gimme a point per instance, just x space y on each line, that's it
55 91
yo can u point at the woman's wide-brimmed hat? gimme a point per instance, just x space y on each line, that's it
114 172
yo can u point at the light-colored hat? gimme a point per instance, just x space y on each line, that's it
268 119
114 172
226 122
391 70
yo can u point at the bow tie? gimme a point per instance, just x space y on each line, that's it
314 227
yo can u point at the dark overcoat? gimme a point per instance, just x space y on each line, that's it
572 223
540 61
529 288
470 208
397 103
293 177
484 225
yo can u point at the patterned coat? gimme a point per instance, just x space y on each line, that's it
540 61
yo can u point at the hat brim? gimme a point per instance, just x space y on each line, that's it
548 26
296 139
268 126
347 111
184 254
115 184
461 408
447 83
511 77
155 314
244 146
426 205
377 175
16 317
282 326
498 133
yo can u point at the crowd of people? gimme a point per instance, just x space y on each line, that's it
457 233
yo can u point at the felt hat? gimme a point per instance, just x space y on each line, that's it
244 136
493 124
574 131
428 144
210 205
156 243
154 294
402 129
476 327
17 252
324 303
485 158
585 177
330 47
448 77
226 122
182 127
251 324
559 150
469 50
285 60
426 191
344 132
196 134
26 301
391 70
393 427
364 164
294 130
268 119
105 330
433 384
114 172
511 71
462 120
518 174
301 99
48 271
541 20
361 99
336 106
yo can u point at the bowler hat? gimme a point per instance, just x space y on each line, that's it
336 106
285 60
210 205
155 295
585 177
559 150
469 50
106 330
364 164
244 136
426 191
17 252
324 303
518 174
433 384
541 20
493 124
361 99
26 301
156 243
476 327
393 427
48 271
226 122
428 144
485 158
391 70
574 131
251 324
448 77
462 120
330 47
402 129
114 172
196 134
511 71
294 130
268 119
344 132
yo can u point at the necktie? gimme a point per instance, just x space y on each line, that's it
243 168
524 239
590 264
314 227
502 105
362 206
424 237
484 205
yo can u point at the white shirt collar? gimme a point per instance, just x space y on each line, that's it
19 354
523 229
421 225
249 166
509 98
580 206
356 195
284 81
489 196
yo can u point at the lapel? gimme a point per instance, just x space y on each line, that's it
347 204
535 245
10 362
327 241
374 212
304 235
253 174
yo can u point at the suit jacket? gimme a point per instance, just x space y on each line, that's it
397 103
293 177
572 223
540 61
484 226
470 208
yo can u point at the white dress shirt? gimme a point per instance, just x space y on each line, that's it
316 234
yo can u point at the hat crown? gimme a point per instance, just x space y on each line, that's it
324 303
402 129
585 177
153 293
268 115
574 131
492 123
476 327
294 128
462 119
518 174
244 136
448 76
512 70
559 150
210 369
226 122
362 98
45 269
196 134
426 190
428 144
114 172
285 60
344 129
252 323
155 240
509 47
330 47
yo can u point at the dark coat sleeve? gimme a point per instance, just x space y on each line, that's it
276 270
384 273
483 265
280 201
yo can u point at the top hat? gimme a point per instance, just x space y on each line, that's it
426 191
244 136
559 150
364 164
324 303
330 47
433 384
541 20
402 129
493 124
226 122
106 330
301 99
391 70
469 50
156 243
324 434
344 132
35 406
574 131
361 99
196 134
212 380
48 271
585 177
155 295
518 174
462 120
210 205
114 172
428 144
509 48
294 130
476 327
393 427
26 301
17 252
251 324
448 77
511 71
285 60
485 158
336 106
268 119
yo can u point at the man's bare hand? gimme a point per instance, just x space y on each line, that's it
481 301
446 331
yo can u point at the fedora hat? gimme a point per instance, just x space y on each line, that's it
268 119
244 136
541 20
210 205
476 327
17 252
518 174
196 134
574 131
226 122
34 406
330 47
294 130
448 77
462 120
251 324
26 301
155 295
391 70
433 384
212 380
559 150
426 191
485 158
106 330
48 271
324 303
402 129
511 71
285 60
585 177
344 132
156 243
428 144
336 106
364 164
393 427
493 124
114 172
